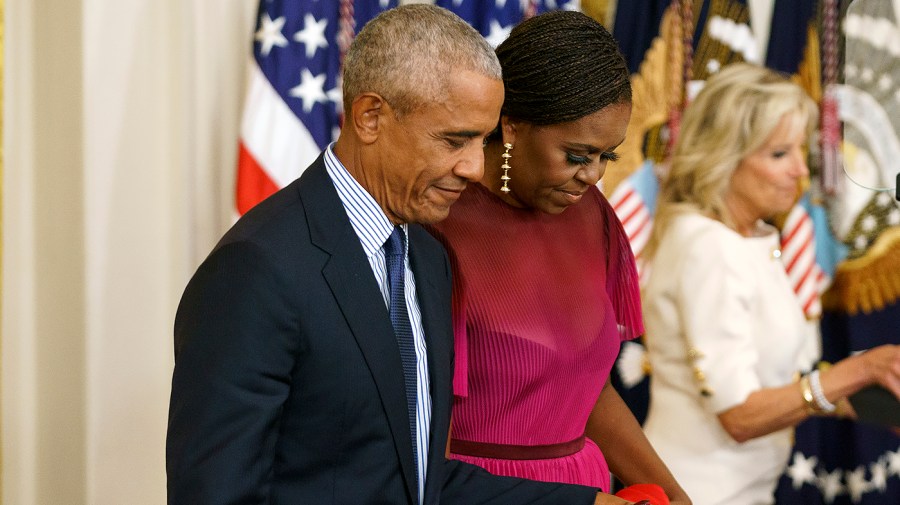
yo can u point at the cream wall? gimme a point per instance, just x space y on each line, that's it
120 127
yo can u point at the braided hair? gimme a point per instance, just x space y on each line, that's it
561 66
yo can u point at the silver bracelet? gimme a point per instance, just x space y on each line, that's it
816 385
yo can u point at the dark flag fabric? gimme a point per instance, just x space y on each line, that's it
789 34
637 24
292 108
495 18
843 462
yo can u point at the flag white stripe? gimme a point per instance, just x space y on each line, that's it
800 243
272 133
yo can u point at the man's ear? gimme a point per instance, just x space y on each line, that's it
367 115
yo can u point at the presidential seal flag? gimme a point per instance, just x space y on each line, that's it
842 462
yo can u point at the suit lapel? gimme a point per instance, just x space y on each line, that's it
433 289
353 284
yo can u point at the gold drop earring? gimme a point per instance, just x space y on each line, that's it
505 167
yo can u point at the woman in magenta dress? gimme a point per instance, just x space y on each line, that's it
545 288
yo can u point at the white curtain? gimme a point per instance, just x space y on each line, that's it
120 135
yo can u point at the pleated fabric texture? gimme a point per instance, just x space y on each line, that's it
541 304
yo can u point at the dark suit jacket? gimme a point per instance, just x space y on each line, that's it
288 386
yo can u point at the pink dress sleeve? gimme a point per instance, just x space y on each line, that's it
622 285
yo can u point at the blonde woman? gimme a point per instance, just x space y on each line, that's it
726 336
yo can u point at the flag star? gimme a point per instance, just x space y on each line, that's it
883 199
384 4
868 223
860 242
857 485
310 89
850 70
885 82
879 474
312 35
336 95
572 5
269 33
497 34
893 461
893 219
801 470
631 364
867 74
713 66
499 3
830 485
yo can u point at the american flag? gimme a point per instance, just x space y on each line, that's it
496 18
798 253
293 107
634 201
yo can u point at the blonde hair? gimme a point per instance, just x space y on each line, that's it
733 116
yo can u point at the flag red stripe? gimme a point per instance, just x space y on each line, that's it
640 226
811 302
633 213
799 255
793 231
253 183
617 203
804 277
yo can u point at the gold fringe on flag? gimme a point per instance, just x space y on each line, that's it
809 72
868 283
654 94
601 10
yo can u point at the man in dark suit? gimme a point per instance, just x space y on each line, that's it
310 367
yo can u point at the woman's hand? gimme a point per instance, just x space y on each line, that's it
879 365
883 365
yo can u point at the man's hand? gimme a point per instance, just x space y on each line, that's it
608 499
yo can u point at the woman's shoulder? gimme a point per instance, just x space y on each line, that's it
595 202
704 240
476 215
692 227
470 205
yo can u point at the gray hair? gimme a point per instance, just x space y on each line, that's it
406 55
732 116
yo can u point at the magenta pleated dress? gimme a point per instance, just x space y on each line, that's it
541 304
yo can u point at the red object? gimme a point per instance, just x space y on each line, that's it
253 183
639 492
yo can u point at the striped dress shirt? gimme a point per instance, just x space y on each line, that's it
373 228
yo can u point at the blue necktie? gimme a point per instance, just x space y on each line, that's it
394 252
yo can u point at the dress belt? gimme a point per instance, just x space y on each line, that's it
505 451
